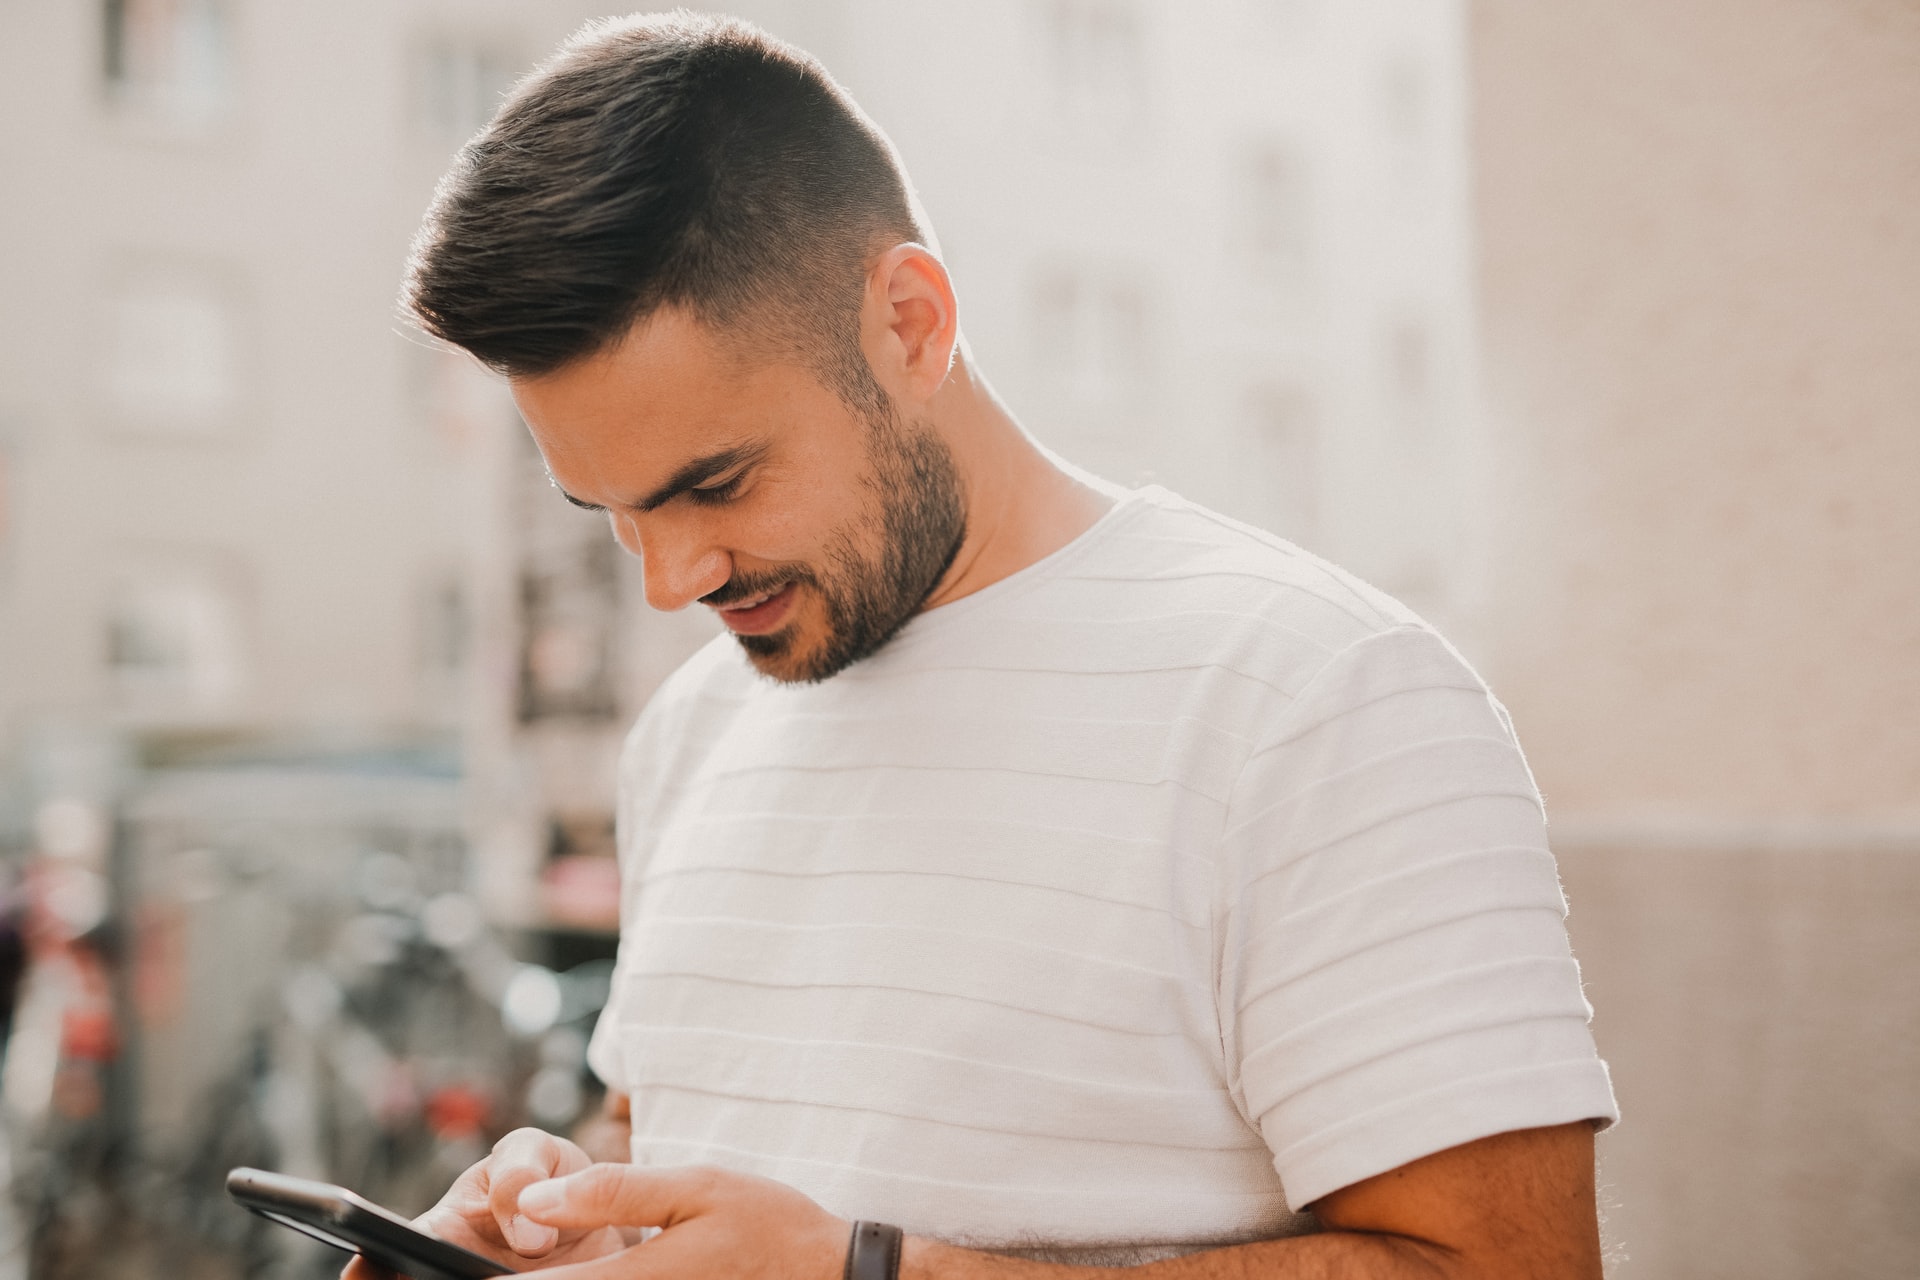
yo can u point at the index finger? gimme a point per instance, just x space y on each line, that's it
519 1160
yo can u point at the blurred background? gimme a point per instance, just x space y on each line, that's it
1592 330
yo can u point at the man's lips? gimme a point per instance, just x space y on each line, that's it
759 614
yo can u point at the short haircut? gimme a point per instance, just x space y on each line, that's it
663 160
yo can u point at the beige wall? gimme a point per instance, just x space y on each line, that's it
1700 593
1701 283
1756 1007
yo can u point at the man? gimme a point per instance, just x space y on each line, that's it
1059 874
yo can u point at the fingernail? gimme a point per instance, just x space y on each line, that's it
528 1234
542 1197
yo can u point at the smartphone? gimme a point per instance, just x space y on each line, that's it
336 1216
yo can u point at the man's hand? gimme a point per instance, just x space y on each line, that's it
481 1211
712 1222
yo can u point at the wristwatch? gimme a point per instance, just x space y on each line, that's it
873 1253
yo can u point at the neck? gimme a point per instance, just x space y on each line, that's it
1023 503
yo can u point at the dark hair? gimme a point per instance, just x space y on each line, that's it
669 159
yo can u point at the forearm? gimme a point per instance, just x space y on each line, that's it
1328 1255
1513 1206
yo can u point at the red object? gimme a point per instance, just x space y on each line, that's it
87 1034
160 963
583 889
457 1111
87 1029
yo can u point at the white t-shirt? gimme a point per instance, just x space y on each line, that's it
1141 898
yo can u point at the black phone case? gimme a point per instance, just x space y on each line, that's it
336 1216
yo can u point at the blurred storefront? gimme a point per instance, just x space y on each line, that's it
308 699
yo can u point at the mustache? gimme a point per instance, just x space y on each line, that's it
745 586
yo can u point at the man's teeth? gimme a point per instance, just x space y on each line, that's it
757 601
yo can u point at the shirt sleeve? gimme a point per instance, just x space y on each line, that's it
1394 972
639 785
603 1051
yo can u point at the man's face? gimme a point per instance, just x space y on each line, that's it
814 529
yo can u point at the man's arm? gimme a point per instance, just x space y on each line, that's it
1517 1205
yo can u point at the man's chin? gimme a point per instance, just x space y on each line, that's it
818 642
780 655
780 667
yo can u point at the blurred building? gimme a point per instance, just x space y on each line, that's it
1222 246
297 650
1225 249
245 509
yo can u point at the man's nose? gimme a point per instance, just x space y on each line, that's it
677 566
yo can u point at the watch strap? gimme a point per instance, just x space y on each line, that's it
874 1252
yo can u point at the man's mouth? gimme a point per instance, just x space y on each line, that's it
757 615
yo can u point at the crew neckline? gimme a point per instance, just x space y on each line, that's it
1126 504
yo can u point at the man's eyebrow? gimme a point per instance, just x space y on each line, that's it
691 475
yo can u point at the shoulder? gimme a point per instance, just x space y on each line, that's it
1238 596
1190 539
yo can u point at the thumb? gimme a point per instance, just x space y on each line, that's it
617 1195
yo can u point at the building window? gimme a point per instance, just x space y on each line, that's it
172 354
459 86
444 627
1406 110
569 607
1273 224
457 401
1282 462
170 60
1093 335
175 642
1408 378
1099 67
1291 19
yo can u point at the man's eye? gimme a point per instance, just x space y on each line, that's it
714 495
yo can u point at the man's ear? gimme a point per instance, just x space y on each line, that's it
911 322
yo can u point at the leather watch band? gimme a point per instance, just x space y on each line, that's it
874 1252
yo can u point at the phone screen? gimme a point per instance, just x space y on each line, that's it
338 1217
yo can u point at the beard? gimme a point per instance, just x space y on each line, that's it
916 519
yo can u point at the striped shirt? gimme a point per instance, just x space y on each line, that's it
1138 899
